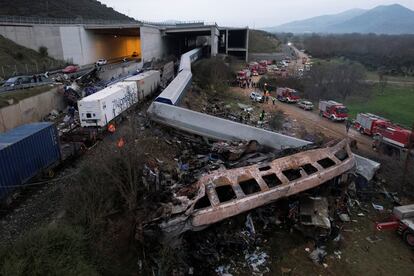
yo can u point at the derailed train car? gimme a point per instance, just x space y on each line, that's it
35 149
101 108
25 152
174 92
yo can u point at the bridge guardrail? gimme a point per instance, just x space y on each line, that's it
61 21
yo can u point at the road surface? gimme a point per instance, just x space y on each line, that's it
312 122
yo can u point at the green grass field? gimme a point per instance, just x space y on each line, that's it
397 104
373 76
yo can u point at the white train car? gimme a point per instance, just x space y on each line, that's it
147 83
175 91
102 107
177 88
188 58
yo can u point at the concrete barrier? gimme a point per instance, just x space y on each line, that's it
30 110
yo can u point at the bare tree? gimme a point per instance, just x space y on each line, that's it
348 78
334 80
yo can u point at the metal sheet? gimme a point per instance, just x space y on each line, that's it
24 152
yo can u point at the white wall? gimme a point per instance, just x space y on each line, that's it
215 33
80 46
35 36
86 47
31 110
71 44
152 43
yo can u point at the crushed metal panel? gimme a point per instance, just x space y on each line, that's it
313 211
252 190
222 129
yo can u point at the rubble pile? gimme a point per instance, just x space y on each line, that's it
245 244
322 215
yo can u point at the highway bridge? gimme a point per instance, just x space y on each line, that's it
83 42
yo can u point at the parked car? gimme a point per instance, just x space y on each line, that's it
306 105
257 97
17 81
70 69
101 62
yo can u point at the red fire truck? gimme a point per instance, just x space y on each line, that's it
287 95
261 67
395 135
263 63
389 138
333 110
402 220
243 75
368 123
253 66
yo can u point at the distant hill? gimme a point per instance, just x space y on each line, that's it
316 24
391 19
86 9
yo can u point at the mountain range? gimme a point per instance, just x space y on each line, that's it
390 19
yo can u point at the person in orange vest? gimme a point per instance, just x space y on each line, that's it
120 143
111 128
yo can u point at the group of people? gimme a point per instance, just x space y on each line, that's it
267 97
37 78
249 83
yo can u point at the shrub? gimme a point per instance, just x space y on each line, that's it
43 51
212 74
276 120
18 55
49 250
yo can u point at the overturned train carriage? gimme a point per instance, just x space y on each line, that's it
174 92
226 193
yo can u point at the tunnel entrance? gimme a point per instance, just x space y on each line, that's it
112 44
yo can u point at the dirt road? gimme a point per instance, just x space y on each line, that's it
312 122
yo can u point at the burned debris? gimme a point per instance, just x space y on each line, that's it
226 192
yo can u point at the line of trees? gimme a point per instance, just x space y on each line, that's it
392 53
327 80
334 80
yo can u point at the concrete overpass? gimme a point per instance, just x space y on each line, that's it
85 41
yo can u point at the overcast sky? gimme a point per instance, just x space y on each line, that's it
252 13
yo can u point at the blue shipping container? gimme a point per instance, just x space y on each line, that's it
26 151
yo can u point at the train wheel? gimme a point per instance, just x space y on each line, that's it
408 237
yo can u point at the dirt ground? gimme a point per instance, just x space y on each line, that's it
288 250
310 120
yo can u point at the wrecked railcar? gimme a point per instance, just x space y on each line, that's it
226 193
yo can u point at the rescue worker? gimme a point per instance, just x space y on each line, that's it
262 115
111 128
348 125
